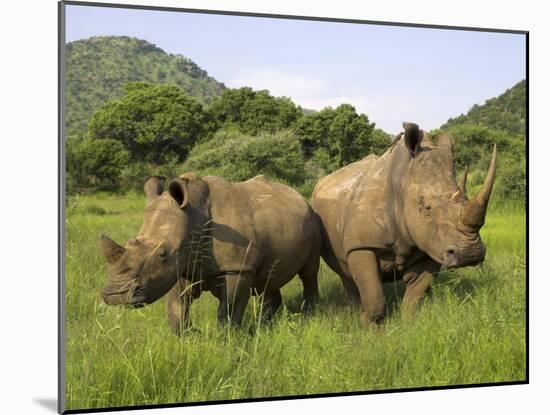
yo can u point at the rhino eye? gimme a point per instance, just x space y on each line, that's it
427 210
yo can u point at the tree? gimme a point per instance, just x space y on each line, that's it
380 141
252 112
342 133
154 122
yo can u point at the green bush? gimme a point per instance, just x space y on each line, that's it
238 157
94 163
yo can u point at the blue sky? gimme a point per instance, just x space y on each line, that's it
391 73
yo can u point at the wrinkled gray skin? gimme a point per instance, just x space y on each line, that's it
400 216
206 234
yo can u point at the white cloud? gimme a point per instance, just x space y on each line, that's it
308 92
281 84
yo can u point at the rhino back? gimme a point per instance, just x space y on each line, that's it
353 206
262 226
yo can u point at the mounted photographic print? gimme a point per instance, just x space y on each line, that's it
260 207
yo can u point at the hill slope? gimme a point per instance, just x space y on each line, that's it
98 67
505 112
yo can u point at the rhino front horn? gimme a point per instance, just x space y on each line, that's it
111 250
475 210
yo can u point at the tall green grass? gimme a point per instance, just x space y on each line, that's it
470 330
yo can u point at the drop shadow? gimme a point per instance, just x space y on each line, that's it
48 403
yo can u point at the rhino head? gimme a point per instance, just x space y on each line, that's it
437 215
148 266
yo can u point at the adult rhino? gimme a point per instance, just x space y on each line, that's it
207 234
400 215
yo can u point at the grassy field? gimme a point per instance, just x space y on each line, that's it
470 330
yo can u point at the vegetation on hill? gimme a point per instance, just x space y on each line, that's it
97 69
507 112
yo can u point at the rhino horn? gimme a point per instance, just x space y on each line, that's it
474 211
462 184
111 249
153 186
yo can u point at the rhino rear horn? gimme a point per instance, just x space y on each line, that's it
153 186
462 184
460 194
111 250
475 210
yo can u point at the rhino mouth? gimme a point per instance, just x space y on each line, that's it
454 258
130 297
138 299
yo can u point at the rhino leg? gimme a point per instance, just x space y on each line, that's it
351 289
233 295
363 266
270 303
177 305
308 275
418 280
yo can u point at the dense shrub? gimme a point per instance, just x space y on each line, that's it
238 157
94 163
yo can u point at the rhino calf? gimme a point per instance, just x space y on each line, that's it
400 216
207 234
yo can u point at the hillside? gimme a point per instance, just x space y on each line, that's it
98 67
505 112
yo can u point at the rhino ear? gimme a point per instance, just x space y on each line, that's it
179 191
154 185
412 137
